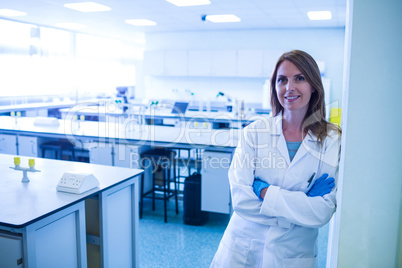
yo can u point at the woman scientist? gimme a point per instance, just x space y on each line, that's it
282 174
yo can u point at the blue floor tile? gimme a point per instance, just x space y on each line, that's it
174 244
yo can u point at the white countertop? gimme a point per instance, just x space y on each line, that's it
24 202
125 131
112 109
35 106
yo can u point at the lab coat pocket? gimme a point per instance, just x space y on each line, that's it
299 263
236 252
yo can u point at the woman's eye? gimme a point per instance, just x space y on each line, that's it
300 78
281 80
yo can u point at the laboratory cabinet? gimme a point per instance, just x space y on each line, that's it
37 112
270 57
54 241
8 144
165 63
199 63
224 63
215 190
250 63
100 153
257 63
28 146
115 154
133 154
19 145
120 155
218 63
154 63
175 63
11 250
43 227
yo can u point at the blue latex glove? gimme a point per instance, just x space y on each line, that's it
321 186
258 185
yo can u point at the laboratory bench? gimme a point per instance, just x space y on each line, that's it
121 143
47 108
43 227
36 109
162 116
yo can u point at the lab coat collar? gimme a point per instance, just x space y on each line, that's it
277 137
308 145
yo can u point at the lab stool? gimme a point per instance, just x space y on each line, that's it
59 148
162 162
187 161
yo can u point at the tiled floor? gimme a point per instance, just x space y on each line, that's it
174 244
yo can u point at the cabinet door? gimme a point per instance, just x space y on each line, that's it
8 144
176 63
224 63
28 146
128 155
270 59
215 192
11 250
154 63
122 155
250 63
199 63
58 240
100 153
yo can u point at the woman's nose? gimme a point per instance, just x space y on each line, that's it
289 86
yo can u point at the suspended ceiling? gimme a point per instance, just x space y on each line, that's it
254 14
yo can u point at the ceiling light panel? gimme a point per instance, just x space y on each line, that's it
140 22
319 15
187 3
223 18
11 13
87 7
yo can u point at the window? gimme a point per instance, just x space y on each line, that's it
48 61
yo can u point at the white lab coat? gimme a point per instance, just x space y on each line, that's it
281 230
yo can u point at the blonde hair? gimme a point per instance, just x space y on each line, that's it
314 119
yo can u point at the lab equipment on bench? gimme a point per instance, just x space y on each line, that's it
77 183
179 108
229 101
31 163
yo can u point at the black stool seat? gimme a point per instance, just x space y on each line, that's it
162 161
59 148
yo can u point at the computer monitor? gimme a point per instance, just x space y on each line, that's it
179 107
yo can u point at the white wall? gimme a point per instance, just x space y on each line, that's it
370 170
322 44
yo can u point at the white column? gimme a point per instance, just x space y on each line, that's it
368 218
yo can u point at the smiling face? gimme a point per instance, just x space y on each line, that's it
292 89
